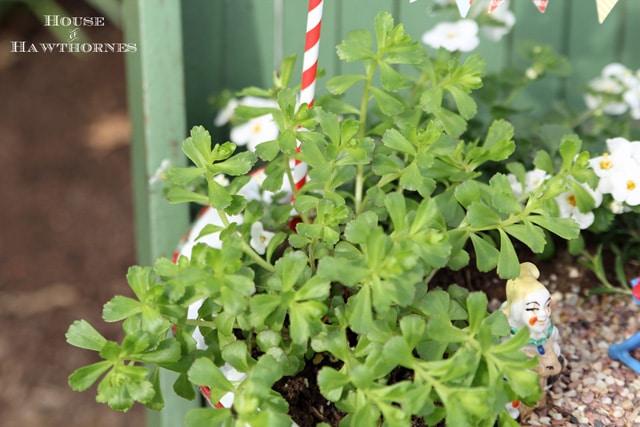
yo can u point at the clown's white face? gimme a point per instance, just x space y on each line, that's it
536 313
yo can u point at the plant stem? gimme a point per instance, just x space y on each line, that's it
364 103
203 323
294 190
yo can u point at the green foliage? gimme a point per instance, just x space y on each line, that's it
396 192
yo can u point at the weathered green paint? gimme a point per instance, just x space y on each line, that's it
157 109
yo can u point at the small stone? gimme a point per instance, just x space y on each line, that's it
618 412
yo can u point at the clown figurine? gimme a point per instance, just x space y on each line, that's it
528 305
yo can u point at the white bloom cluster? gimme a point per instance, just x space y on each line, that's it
619 173
616 91
254 131
463 35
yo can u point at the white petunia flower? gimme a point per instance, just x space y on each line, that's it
605 86
255 131
253 191
221 179
504 16
159 174
569 208
260 238
632 98
625 186
532 180
621 73
453 36
226 114
622 156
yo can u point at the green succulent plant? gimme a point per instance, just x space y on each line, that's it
394 194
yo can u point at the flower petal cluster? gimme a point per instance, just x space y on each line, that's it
460 36
616 91
501 20
618 170
532 180
463 35
254 131
569 208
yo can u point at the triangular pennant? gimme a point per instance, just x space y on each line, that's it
541 4
463 6
604 7
494 4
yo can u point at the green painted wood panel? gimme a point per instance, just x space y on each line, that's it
233 44
157 110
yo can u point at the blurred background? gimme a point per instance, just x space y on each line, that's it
66 219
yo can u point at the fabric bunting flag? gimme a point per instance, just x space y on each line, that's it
540 4
604 7
463 6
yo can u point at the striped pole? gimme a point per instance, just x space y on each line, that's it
309 72
311 49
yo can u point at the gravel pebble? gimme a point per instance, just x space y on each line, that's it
593 390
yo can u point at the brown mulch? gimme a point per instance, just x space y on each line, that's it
66 240
66 222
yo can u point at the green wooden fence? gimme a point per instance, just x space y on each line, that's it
192 50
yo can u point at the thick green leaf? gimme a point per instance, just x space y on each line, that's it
477 309
441 329
331 383
359 309
167 351
237 355
208 417
305 320
84 377
120 308
204 372
508 264
452 123
81 334
466 105
182 195
486 253
482 216
391 79
529 234
339 84
198 147
566 228
357 47
388 104
395 140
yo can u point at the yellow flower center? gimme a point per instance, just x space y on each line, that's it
605 163
572 200
631 185
256 128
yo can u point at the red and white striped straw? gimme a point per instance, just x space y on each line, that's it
311 49
309 72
